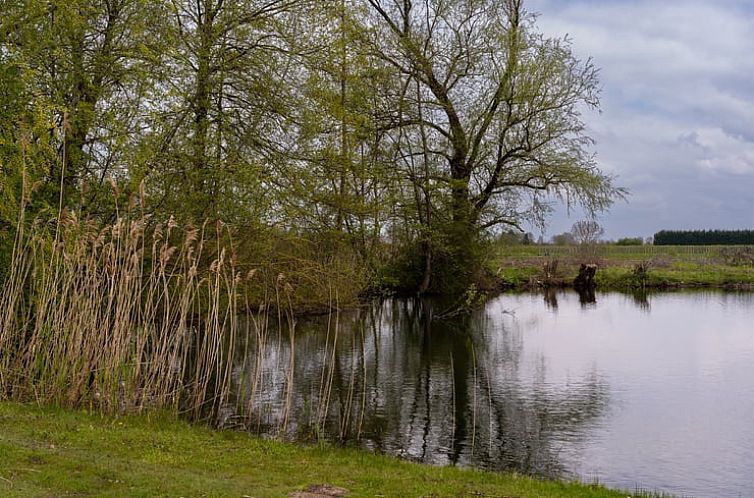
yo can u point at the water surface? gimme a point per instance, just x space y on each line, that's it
653 392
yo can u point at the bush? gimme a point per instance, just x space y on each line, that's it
630 241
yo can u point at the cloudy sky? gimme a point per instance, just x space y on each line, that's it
677 113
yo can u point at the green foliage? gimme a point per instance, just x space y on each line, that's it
402 274
630 241
84 64
512 238
27 141
456 262
322 270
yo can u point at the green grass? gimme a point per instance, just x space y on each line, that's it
54 453
669 266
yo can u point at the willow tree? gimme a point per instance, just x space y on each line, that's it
498 106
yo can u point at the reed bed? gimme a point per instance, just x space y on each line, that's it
138 315
124 317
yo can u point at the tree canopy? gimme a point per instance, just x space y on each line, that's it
408 128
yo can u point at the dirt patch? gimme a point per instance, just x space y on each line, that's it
320 491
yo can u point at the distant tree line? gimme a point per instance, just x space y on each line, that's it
703 237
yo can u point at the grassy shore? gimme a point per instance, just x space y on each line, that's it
665 267
50 452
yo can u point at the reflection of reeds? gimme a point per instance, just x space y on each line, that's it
328 367
474 400
291 323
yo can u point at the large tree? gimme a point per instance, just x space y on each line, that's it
497 105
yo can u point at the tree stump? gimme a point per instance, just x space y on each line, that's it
585 278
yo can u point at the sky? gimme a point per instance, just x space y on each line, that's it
676 123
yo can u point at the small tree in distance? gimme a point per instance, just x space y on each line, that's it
563 239
587 232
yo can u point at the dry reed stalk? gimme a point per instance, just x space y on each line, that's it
114 318
126 317
261 327
358 371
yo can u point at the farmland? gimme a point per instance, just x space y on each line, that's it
625 267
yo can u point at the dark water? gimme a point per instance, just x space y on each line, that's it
652 392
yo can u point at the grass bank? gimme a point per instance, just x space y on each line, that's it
49 452
627 267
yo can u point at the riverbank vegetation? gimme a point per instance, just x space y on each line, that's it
382 139
61 452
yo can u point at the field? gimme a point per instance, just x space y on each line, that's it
624 267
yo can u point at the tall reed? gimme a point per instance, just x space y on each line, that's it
120 317
136 314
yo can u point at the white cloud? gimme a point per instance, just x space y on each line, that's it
677 121
722 152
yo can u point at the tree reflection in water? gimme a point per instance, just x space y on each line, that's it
641 299
397 378
551 298
587 297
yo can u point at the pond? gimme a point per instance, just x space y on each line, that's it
652 392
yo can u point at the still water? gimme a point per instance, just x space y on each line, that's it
643 392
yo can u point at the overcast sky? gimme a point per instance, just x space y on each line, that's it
677 108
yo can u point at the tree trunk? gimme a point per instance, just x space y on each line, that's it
201 109
427 277
461 239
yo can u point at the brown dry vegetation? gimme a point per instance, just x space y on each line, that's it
128 316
